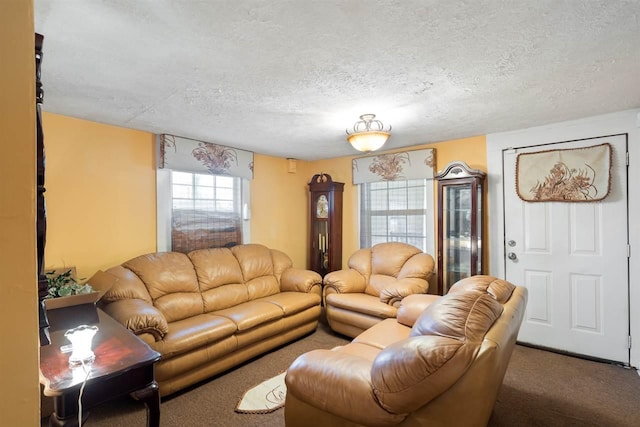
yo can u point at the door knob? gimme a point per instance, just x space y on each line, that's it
512 256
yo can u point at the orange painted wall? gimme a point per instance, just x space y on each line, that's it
279 207
101 197
19 353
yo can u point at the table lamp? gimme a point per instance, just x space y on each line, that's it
81 338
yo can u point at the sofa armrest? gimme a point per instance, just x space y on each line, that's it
139 317
394 292
345 281
332 380
412 307
299 280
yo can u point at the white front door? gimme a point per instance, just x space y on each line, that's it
573 258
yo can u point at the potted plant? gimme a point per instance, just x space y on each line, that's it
63 289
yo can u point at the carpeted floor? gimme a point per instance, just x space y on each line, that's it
540 389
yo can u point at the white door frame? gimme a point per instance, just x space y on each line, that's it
615 123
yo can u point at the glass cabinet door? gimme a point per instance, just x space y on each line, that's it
460 221
457 230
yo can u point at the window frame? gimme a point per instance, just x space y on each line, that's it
429 214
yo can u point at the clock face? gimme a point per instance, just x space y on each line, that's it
322 207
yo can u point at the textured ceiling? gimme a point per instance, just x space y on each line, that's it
285 78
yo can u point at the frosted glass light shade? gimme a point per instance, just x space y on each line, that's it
81 338
368 134
368 141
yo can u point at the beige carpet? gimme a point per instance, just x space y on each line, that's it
540 389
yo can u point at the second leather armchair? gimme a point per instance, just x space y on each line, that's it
371 289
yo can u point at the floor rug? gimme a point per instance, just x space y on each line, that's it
266 397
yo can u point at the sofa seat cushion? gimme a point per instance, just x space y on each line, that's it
292 302
362 303
383 334
193 332
251 314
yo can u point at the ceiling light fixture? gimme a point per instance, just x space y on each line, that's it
368 134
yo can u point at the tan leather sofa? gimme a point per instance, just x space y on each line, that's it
440 363
371 289
212 309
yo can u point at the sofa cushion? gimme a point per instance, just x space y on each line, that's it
292 302
383 334
216 267
409 373
442 344
461 316
224 297
188 334
256 262
500 289
392 261
171 281
251 314
362 303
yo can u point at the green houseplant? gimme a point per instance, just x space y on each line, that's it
64 284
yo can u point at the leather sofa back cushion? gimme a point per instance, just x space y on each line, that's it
441 346
384 263
389 258
126 286
255 261
409 373
172 283
216 267
461 315
500 289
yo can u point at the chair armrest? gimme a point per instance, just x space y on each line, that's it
412 307
333 381
394 292
139 317
299 280
345 281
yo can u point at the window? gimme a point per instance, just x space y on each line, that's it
198 211
397 211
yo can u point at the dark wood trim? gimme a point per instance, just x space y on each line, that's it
41 209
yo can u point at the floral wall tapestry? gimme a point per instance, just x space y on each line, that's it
567 175
188 155
416 164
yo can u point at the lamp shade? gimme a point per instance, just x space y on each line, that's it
368 141
368 134
81 338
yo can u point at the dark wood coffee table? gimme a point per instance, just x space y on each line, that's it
124 364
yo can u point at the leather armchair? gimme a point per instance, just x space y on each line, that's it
371 289
441 362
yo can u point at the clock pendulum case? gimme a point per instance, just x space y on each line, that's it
325 227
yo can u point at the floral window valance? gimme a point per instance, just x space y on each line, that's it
189 155
404 165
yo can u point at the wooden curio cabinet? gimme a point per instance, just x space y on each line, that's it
460 218
325 226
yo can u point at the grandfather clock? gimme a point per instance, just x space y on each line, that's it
325 227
